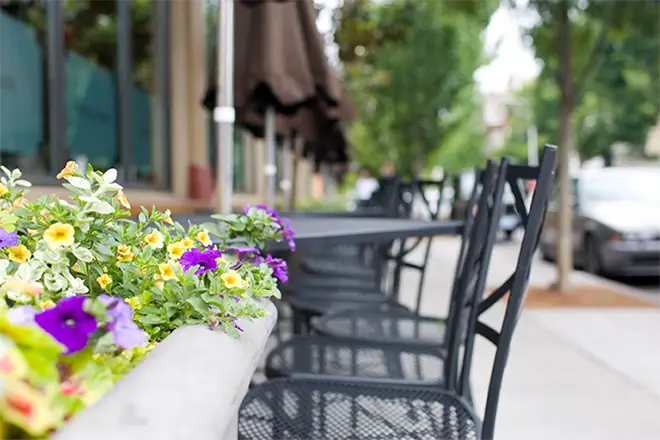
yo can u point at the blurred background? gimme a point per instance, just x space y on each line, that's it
436 87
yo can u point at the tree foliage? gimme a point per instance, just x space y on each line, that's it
617 102
409 67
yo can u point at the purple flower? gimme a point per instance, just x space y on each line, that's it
126 333
282 224
288 233
279 268
68 323
205 261
233 321
258 259
21 315
8 239
243 252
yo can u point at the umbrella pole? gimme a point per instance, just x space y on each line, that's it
288 171
224 115
294 173
270 169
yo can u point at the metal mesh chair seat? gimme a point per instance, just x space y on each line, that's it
322 409
318 305
380 325
330 356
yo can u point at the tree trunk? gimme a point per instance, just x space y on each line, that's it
565 213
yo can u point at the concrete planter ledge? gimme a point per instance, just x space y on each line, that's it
189 387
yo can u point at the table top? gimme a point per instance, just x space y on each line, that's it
314 231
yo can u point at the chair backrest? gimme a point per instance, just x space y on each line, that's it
515 286
417 191
472 266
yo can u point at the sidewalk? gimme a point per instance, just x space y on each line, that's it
583 374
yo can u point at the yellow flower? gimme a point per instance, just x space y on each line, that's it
19 202
59 235
104 281
166 272
27 407
19 254
3 190
154 239
67 171
134 302
188 242
176 249
232 279
122 199
124 254
168 217
46 304
159 284
204 238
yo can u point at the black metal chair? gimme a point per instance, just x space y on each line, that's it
340 408
387 326
318 354
316 300
321 268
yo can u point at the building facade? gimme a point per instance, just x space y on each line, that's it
118 83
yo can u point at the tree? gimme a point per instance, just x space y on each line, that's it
407 65
570 37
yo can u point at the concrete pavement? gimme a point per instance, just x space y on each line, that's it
583 374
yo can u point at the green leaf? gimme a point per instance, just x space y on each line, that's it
150 319
102 208
199 305
110 175
83 254
79 182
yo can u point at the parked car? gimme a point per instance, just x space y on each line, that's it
616 222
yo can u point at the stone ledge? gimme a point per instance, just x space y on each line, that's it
189 387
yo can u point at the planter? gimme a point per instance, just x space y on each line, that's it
189 387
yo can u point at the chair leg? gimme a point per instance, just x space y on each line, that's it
298 322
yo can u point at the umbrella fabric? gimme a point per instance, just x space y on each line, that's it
279 58
280 63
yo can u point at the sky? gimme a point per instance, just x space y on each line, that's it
512 59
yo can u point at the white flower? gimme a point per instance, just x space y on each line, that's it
55 282
78 287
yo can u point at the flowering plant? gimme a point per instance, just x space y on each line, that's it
85 291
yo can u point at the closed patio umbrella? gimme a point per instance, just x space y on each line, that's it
280 74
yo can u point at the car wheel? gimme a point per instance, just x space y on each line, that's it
592 262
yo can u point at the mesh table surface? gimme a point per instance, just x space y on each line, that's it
381 325
318 409
330 231
319 305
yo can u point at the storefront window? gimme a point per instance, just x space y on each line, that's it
114 101
23 87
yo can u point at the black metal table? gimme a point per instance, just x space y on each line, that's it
315 231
